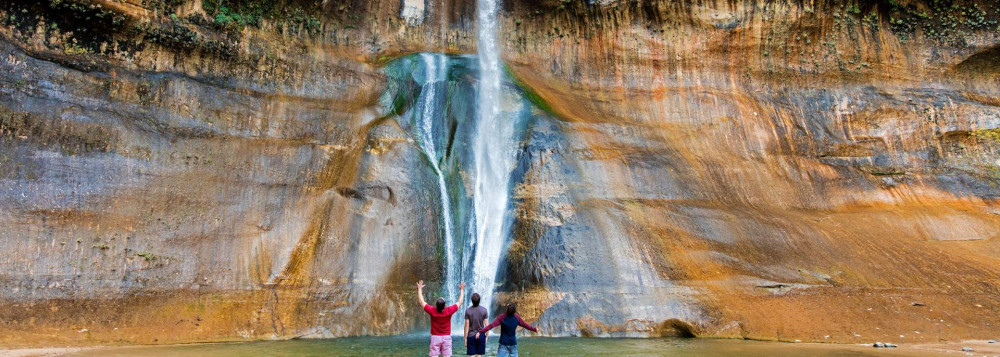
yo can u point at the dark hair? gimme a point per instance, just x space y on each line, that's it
475 299
440 304
511 309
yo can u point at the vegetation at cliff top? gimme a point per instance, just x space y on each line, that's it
942 20
82 27
285 14
92 26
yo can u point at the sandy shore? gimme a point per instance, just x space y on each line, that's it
44 352
979 348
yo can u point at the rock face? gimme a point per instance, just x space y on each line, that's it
175 171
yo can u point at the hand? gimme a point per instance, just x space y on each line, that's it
420 284
477 335
461 286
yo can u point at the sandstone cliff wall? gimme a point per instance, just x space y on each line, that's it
171 171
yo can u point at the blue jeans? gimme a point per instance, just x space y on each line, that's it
507 351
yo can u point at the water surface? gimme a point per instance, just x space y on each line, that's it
417 346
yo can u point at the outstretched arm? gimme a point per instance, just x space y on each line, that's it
489 327
420 293
461 294
525 324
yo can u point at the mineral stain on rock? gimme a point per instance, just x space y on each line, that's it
179 171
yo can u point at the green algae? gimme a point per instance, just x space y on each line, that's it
527 92
987 134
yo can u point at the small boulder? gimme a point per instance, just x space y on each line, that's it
916 303
991 341
967 349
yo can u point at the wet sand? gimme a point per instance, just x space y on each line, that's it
45 352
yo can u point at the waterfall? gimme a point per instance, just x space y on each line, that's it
486 149
494 152
431 111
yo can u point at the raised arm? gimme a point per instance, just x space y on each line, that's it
461 294
420 293
525 324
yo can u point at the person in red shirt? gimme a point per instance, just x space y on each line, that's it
440 320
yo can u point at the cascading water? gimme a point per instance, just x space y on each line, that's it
430 106
494 152
467 124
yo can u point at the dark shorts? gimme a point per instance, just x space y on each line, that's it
475 346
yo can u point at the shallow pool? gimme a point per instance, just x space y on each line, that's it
417 346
